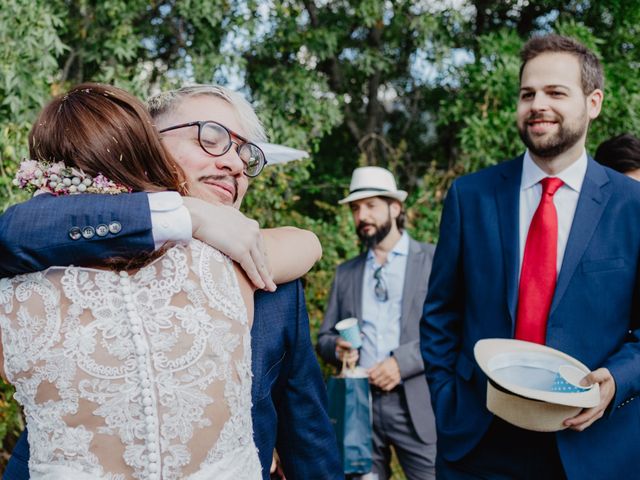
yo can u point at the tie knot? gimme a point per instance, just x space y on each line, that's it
550 185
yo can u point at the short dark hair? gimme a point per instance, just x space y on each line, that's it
591 73
622 153
401 218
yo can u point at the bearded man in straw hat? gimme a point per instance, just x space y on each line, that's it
540 248
384 288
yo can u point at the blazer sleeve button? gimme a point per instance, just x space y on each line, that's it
102 230
115 227
75 233
88 232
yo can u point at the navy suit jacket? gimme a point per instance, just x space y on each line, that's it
288 394
594 314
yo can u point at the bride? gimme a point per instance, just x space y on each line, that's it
132 369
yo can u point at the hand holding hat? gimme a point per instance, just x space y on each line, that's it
522 386
584 419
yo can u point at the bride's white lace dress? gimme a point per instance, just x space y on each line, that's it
144 376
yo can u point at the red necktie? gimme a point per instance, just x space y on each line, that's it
539 272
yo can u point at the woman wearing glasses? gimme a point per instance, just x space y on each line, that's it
136 369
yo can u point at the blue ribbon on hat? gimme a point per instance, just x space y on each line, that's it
561 385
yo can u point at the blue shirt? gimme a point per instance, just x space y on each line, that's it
381 320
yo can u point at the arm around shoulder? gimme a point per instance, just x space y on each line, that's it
74 229
291 252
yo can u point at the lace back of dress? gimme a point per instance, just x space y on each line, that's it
143 375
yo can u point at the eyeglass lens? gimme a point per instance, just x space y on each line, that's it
380 288
217 140
252 157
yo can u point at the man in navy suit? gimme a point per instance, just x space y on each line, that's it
289 399
552 260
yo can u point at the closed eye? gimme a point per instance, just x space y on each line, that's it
209 143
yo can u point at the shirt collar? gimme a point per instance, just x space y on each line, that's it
400 248
572 176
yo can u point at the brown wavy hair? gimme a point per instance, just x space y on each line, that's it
103 129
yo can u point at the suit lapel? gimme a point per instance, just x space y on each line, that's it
356 278
414 269
508 203
591 203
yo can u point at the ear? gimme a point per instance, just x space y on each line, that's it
594 103
395 208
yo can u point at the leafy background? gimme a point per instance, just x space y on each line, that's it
426 88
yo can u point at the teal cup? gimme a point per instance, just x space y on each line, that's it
349 330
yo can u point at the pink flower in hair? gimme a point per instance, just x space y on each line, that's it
56 168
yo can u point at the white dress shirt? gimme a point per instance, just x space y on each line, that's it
170 219
565 199
381 320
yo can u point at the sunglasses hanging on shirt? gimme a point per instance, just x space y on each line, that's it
380 288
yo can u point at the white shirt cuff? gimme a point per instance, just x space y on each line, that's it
170 219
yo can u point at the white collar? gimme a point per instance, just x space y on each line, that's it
400 248
572 176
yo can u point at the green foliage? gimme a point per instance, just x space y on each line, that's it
483 104
426 90
29 47
620 51
10 422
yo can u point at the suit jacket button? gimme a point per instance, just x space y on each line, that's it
115 227
88 232
102 230
75 233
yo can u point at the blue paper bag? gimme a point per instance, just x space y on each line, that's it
350 413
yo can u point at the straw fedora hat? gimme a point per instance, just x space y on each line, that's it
373 182
533 386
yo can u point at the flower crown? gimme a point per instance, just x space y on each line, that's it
58 179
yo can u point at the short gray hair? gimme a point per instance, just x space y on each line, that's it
166 102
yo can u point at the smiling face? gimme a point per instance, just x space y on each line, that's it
215 179
553 113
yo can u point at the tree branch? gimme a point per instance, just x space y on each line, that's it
335 78
67 65
373 85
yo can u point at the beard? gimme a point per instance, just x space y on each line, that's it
561 141
379 234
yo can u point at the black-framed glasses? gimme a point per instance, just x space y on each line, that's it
380 288
216 140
